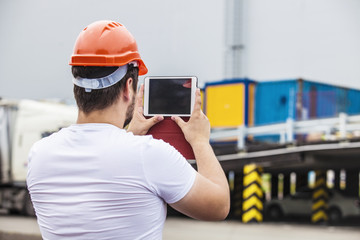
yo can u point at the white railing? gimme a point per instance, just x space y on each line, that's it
342 125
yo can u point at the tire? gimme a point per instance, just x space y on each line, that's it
14 211
334 215
275 213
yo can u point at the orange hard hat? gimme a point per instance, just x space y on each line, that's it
106 43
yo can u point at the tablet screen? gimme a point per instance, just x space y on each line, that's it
170 96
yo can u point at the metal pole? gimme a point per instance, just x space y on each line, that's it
234 38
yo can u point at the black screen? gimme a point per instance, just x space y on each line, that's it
170 96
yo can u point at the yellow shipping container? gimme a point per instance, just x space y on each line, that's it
230 103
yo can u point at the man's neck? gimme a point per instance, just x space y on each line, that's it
109 115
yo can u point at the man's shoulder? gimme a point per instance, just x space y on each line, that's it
46 141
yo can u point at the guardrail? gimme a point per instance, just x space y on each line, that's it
342 125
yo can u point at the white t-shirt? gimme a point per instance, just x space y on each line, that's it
96 181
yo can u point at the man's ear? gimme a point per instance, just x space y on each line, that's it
128 90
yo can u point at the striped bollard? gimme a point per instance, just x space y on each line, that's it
252 195
320 199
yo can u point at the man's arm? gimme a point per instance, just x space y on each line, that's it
209 197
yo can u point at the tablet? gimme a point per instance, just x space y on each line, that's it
169 96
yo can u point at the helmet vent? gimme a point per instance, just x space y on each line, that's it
116 24
113 25
110 26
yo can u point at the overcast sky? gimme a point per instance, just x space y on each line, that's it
283 39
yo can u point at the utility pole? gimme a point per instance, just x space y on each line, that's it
234 29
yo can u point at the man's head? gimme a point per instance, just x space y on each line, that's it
99 99
104 60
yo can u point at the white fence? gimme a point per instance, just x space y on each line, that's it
341 125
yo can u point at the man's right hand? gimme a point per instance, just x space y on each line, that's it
210 189
197 129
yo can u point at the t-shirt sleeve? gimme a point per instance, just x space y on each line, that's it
167 171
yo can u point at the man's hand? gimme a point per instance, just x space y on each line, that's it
139 125
197 129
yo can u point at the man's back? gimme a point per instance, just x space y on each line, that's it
96 181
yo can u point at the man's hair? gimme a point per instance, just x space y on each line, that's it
99 99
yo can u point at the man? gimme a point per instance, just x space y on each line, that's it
94 180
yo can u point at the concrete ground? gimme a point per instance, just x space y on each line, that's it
19 228
181 228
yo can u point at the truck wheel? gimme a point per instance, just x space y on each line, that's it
28 208
275 213
14 211
334 215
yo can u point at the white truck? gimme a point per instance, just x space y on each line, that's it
22 123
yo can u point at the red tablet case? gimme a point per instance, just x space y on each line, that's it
170 132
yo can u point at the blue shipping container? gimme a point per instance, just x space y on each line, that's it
276 101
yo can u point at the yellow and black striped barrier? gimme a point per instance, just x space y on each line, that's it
320 199
252 195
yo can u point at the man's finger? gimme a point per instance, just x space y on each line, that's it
197 105
154 120
178 121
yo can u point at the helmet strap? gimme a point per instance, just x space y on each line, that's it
99 83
